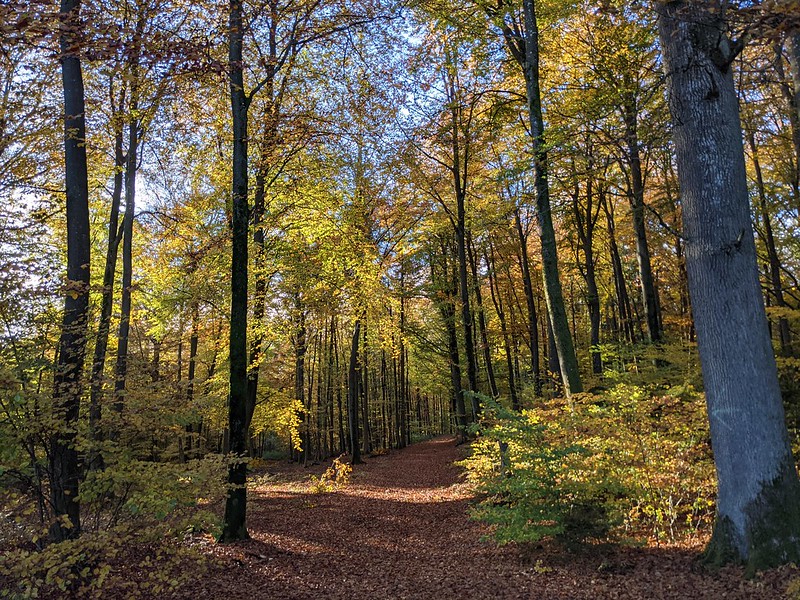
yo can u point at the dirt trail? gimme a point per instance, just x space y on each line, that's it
401 530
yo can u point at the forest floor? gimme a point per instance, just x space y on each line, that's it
400 529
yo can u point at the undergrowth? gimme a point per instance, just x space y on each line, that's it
334 477
136 515
632 461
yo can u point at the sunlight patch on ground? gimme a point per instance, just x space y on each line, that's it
410 495
452 493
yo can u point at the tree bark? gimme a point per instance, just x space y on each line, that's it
447 286
106 304
466 313
784 334
259 300
353 385
343 440
193 344
234 521
620 286
527 285
63 459
330 377
131 167
586 218
299 343
123 334
485 349
386 408
497 300
793 97
552 284
648 288
364 396
402 403
758 505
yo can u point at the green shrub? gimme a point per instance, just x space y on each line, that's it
274 455
135 515
119 562
141 492
532 488
632 460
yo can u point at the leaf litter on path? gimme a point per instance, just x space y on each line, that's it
401 530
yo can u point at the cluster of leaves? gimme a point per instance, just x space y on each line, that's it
793 591
334 477
631 461
651 366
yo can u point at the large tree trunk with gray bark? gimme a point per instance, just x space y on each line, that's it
758 505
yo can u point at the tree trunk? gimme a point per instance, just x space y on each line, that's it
447 286
330 377
234 521
486 350
259 300
593 302
552 284
649 299
466 313
311 428
527 285
193 343
758 505
793 97
386 411
63 459
353 385
784 335
123 334
461 154
364 396
456 386
131 167
343 440
497 300
586 219
403 387
406 419
155 363
299 343
553 364
395 434
620 286
683 292
106 305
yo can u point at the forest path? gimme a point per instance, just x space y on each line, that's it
401 529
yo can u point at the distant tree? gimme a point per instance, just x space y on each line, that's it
629 57
758 504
